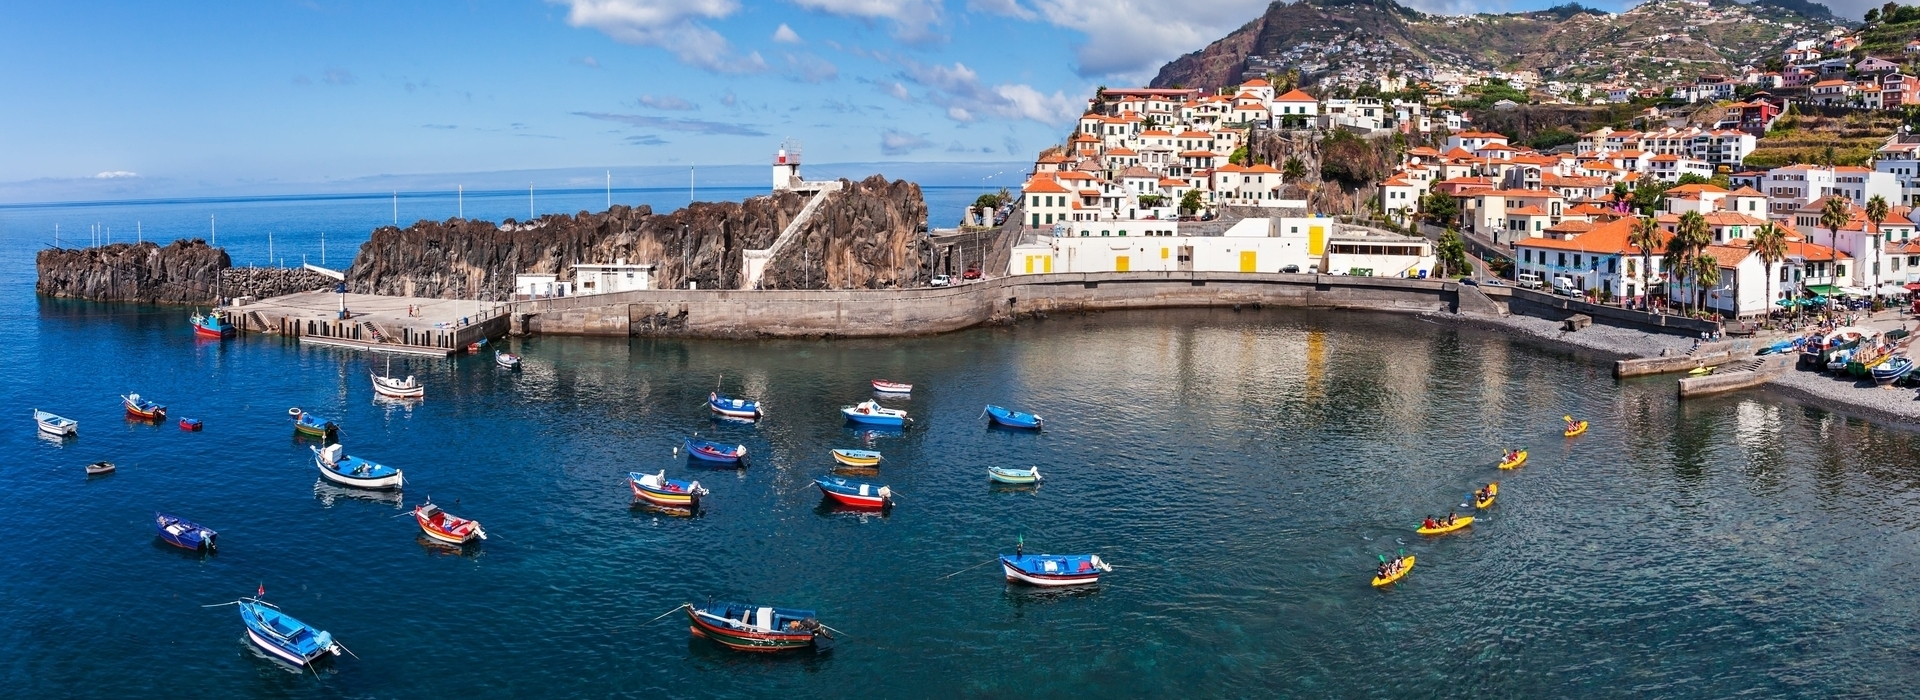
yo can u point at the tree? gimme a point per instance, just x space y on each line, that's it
1691 179
1690 236
1100 98
1620 191
1833 215
988 200
1439 208
1872 14
1152 201
1770 245
1706 275
1451 252
1645 236
1294 169
1190 202
1876 213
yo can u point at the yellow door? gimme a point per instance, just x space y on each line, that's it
1120 263
1316 240
1163 253
1046 264
1029 264
1247 260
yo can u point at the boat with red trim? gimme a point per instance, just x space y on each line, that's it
142 409
1054 569
734 408
886 387
288 639
662 491
715 452
445 527
858 494
211 325
748 627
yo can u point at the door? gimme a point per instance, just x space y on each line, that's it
1029 264
1121 263
1247 259
1046 263
1186 258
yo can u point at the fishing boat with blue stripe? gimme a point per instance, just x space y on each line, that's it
871 413
748 627
662 491
185 534
1892 370
284 637
1006 475
734 408
856 458
211 325
312 426
711 451
55 425
340 468
1053 569
1012 419
142 409
857 494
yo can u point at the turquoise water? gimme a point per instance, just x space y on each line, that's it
1241 470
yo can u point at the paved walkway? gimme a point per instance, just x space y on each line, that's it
390 312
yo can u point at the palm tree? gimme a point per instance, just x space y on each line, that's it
1645 236
1833 215
1876 213
1706 275
1690 236
1770 243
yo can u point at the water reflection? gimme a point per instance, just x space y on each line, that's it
328 494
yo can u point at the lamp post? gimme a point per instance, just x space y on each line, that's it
686 258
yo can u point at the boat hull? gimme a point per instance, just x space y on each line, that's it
671 499
897 388
62 431
734 408
1006 476
397 389
1493 492
1577 429
857 458
706 453
1458 524
1405 568
1013 419
1516 462
376 483
281 653
855 416
156 413
1018 575
742 640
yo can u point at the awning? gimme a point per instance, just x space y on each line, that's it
1826 289
1855 291
1890 289
1913 286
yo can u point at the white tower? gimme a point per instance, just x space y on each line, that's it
786 167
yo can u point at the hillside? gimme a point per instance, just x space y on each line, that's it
1354 40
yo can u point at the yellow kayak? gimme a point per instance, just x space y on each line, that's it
1697 371
1577 429
1493 491
1517 460
1458 523
1406 565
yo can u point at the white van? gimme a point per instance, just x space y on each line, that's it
1527 280
1564 286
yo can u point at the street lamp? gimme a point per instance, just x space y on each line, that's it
686 257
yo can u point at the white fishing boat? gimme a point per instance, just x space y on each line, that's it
55 425
340 468
391 387
506 360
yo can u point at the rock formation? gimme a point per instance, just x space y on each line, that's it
183 272
866 236
264 282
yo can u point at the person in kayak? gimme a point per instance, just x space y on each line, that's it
1571 423
1512 454
1480 495
1383 570
1450 518
1429 523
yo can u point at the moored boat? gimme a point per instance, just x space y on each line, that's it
340 468
1014 476
279 634
311 425
395 388
506 359
446 527
1892 370
858 494
55 425
660 490
1399 572
141 408
1442 527
190 425
886 387
715 452
857 458
871 413
211 325
98 468
1013 419
1053 569
734 408
184 534
747 627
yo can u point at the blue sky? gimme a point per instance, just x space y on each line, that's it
213 96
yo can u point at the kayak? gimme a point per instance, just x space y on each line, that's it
1493 491
1405 566
1577 429
1697 371
1517 460
1458 523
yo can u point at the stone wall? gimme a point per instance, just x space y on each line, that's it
182 272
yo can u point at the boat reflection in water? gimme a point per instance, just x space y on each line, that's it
328 494
830 508
643 506
433 546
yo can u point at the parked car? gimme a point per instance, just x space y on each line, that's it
972 273
1291 269
1470 281
941 281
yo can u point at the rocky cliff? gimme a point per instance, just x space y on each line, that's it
183 272
862 236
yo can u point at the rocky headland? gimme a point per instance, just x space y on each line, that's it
182 272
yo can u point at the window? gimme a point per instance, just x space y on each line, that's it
1563 260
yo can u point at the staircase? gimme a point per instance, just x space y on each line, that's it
373 332
754 262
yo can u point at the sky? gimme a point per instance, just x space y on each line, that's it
123 99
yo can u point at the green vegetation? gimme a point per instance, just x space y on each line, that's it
1439 208
1452 254
1551 138
1488 92
1811 138
1888 30
1190 203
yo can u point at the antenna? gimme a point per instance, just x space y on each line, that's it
396 208
530 216
609 190
213 230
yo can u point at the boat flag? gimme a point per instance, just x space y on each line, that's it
262 591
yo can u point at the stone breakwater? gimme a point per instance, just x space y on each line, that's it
865 236
264 282
182 272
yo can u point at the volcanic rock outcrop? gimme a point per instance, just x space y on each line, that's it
182 272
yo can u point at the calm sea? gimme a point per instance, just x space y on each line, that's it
1243 472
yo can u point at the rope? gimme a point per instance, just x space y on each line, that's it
676 609
970 568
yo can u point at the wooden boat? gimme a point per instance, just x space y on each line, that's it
336 466
142 409
211 325
286 638
55 425
1406 565
190 425
886 387
445 527
312 426
1444 528
715 452
1519 458
747 627
1493 491
871 413
184 534
1053 569
98 468
857 458
1892 370
506 359
660 490
857 494
1577 429
395 388
734 408
1014 476
1012 419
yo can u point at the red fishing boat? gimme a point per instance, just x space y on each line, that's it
443 526
143 409
212 325
854 493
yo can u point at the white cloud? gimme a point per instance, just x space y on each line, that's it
1132 38
786 35
912 19
899 91
898 143
590 62
808 68
670 25
115 175
667 102
1010 8
959 89
337 76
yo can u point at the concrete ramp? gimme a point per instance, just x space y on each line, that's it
754 262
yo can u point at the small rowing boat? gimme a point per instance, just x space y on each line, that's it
715 452
506 360
1013 419
184 534
1053 569
1014 476
338 467
660 490
857 494
191 425
142 409
1442 527
1399 572
886 387
870 413
98 468
279 634
312 426
857 458
1518 459
445 527
748 627
734 408
1493 491
55 425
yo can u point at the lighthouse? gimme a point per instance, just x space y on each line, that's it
786 167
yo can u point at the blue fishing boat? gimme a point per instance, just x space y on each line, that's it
734 408
1053 569
855 493
748 627
715 452
313 426
1892 370
212 325
1014 476
1013 419
184 534
871 413
277 633
340 468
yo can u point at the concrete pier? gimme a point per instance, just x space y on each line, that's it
405 325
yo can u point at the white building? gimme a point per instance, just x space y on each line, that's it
607 278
